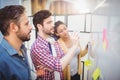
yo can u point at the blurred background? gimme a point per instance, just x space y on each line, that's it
97 21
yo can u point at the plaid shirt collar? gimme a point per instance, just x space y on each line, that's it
42 40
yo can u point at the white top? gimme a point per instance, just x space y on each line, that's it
74 63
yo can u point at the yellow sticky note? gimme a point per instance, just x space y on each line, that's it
87 63
104 45
96 74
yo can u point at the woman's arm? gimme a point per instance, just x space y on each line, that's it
83 52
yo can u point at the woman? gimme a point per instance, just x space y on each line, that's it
73 70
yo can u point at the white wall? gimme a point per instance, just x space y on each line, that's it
10 2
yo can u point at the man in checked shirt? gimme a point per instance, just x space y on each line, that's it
41 53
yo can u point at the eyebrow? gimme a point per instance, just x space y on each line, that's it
49 21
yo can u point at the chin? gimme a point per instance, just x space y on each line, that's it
26 39
66 36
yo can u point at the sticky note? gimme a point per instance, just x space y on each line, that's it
105 40
96 74
87 63
104 34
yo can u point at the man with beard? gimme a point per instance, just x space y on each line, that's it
45 52
15 28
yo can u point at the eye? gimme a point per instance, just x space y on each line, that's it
61 31
65 28
49 22
27 23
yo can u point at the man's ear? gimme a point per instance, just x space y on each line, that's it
39 26
13 27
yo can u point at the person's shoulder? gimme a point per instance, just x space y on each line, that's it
38 44
1 48
2 52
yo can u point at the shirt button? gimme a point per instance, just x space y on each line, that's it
23 58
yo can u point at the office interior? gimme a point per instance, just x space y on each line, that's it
98 25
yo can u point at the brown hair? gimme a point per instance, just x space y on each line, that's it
58 23
8 14
39 17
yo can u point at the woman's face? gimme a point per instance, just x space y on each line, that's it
62 31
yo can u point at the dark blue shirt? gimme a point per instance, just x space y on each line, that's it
12 65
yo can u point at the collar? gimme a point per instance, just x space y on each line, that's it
11 51
42 40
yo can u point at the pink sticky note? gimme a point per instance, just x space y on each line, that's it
105 40
104 33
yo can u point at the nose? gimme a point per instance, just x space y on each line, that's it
52 24
30 26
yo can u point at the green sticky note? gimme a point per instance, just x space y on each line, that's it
87 63
96 74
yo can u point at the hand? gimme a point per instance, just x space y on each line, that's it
40 72
75 37
86 47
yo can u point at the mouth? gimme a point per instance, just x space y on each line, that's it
30 31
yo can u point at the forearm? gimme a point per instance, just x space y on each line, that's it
84 52
68 57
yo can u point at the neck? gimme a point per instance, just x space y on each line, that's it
43 35
15 43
